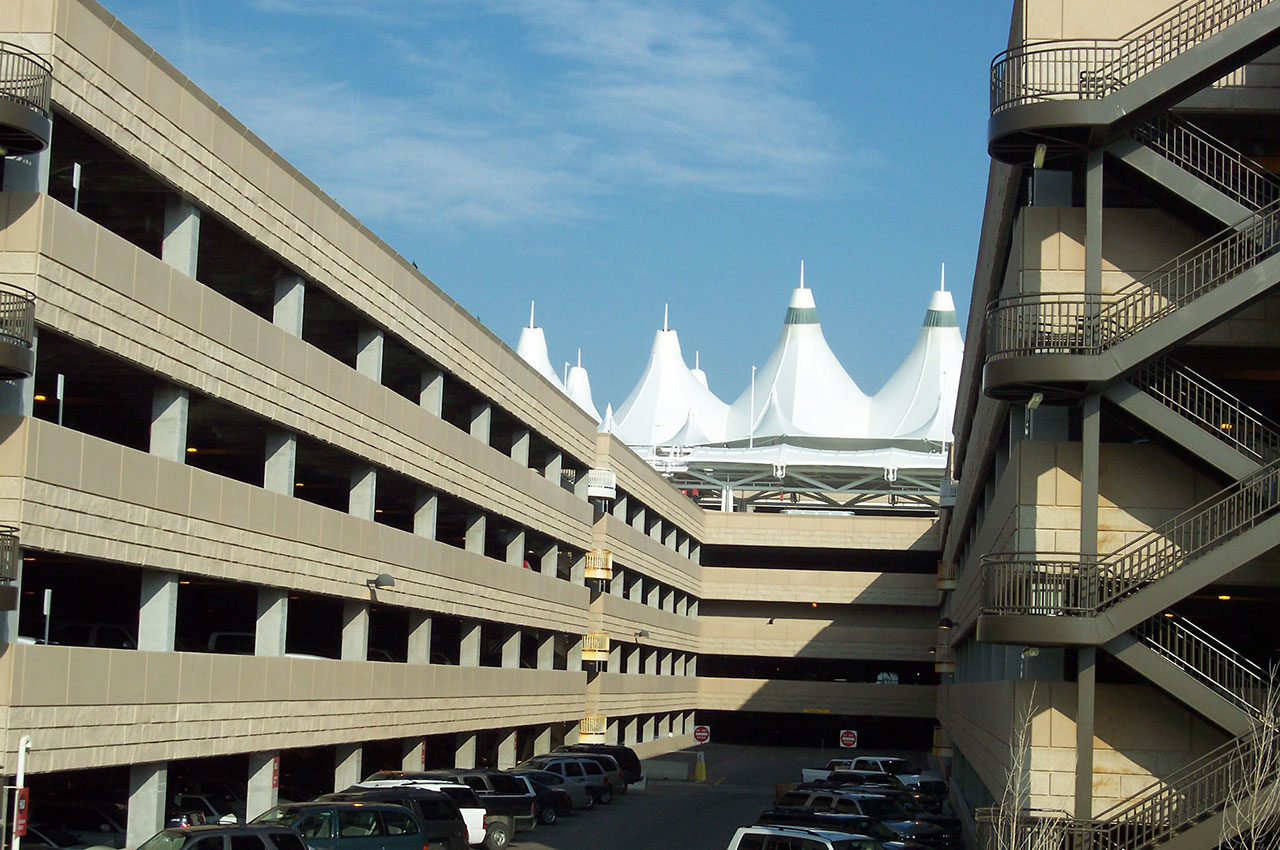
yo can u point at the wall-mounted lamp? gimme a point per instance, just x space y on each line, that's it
946 623
641 634
382 581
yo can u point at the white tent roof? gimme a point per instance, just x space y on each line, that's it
802 390
919 400
532 348
669 403
578 388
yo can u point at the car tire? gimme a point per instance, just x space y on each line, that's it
547 815
591 801
605 795
497 836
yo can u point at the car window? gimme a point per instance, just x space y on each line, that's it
436 810
163 840
792 842
211 842
316 825
503 784
883 809
246 842
464 797
751 841
570 768
286 841
474 782
822 801
550 779
847 807
397 823
590 768
358 823
793 798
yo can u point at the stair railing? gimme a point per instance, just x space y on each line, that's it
1205 658
1211 160
1199 400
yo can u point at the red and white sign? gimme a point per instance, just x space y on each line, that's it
20 801
702 734
848 738
275 773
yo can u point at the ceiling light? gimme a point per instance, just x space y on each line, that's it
41 397
1224 596
382 581
191 450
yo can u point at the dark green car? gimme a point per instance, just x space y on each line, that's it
349 826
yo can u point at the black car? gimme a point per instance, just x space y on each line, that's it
220 836
552 802
852 824
442 821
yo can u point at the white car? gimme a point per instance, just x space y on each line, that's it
799 838
473 812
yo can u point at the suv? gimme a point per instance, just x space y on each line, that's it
798 838
474 814
625 756
220 837
832 822
348 826
877 807
505 796
577 770
440 816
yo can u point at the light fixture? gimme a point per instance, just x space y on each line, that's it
381 581
191 450
1225 597
1168 614
41 397
641 634
1037 159
946 623
770 623
1036 400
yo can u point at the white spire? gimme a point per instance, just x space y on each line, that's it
531 324
666 310
577 384
802 274
942 286
918 401
697 368
532 348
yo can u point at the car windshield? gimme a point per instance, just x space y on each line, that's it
55 835
166 839
281 815
857 844
882 808
897 766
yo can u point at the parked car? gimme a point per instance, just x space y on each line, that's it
881 808
215 808
222 837
578 795
798 838
479 829
503 795
613 772
46 836
347 826
832 822
588 774
92 823
552 802
442 823
625 756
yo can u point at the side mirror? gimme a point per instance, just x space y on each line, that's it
229 819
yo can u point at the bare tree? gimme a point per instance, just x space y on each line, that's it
1016 825
1251 819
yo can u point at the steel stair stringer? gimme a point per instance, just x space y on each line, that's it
1181 182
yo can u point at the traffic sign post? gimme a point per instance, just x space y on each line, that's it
848 738
702 734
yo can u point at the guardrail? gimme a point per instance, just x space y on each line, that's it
1211 160
17 316
25 78
1092 69
1206 659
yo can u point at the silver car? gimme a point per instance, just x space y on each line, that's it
582 798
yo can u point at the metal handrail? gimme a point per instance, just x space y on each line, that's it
17 316
25 78
1087 323
1159 811
1082 585
1089 70
1205 658
10 555
1211 160
1219 413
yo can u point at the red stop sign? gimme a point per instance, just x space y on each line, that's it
702 734
848 738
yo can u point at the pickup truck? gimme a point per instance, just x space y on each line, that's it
813 774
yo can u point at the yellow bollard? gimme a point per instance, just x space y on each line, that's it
700 769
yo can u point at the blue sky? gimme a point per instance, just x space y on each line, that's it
607 158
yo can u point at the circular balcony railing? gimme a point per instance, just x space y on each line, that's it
26 83
9 555
17 332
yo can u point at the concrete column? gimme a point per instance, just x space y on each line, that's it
631 730
633 656
288 307
273 618
355 630
348 765
683 546
426 512
612 731
691 664
555 463
542 741
620 507
1086 689
469 648
464 750
506 748
651 596
693 608
617 585
482 421
170 408
515 548
18 397
666 599
181 246
28 174
520 441
578 569
279 473
475 532
431 392
651 659
363 493
546 650
158 611
638 519
573 659
615 657
646 728
419 638
148 800
580 484
510 648
371 342
666 663
413 754
263 790
664 726
550 560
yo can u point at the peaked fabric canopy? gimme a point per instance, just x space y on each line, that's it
669 403
578 388
532 348
919 400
